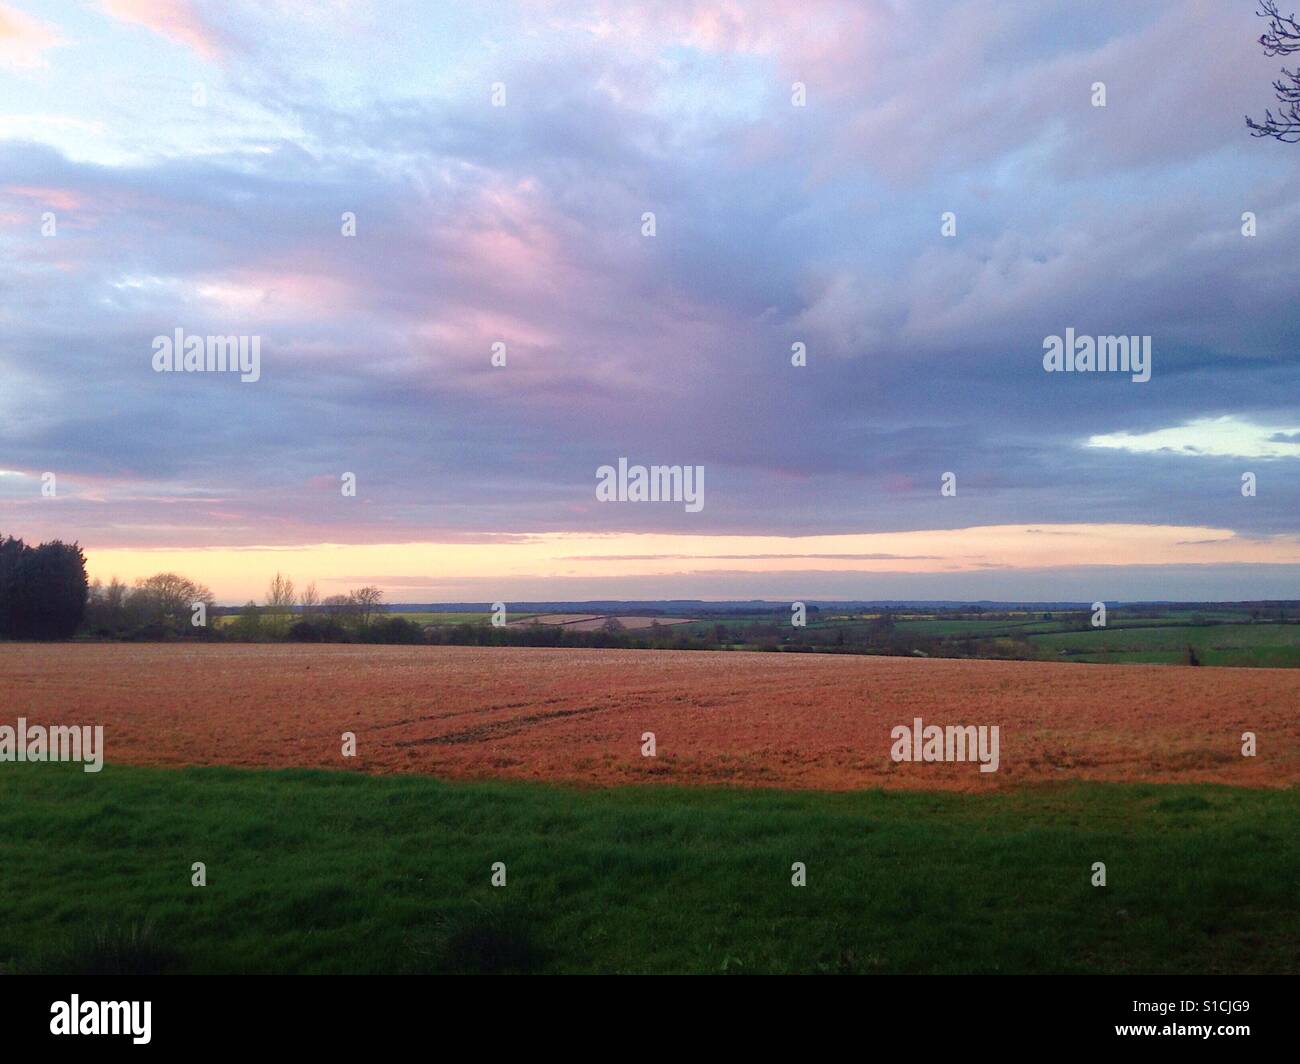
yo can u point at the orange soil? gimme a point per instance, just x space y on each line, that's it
591 622
554 618
629 623
778 720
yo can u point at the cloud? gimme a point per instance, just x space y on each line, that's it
24 40
499 568
744 557
178 21
1224 436
776 224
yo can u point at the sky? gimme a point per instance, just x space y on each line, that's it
384 194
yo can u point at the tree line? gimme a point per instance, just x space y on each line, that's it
45 594
304 616
169 606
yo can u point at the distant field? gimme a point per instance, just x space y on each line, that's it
1237 636
580 622
758 720
630 623
594 622
555 618
1159 640
986 628
1223 644
445 618
415 617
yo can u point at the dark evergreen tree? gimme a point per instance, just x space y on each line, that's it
42 590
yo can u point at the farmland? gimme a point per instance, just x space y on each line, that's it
532 757
586 622
1225 635
1245 635
578 716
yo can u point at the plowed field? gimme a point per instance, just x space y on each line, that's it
805 721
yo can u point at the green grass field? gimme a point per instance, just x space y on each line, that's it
1129 639
1264 645
1253 637
415 617
341 872
450 618
1134 638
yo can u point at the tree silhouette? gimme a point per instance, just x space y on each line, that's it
11 553
168 599
279 603
1282 38
42 589
365 602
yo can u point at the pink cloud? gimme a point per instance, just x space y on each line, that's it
509 237
270 292
23 39
176 20
823 41
58 199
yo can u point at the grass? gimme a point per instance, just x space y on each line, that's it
1132 639
1128 638
1262 645
445 618
341 872
415 617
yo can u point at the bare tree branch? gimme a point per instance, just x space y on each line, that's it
1282 38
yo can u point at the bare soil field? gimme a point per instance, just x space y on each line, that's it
554 618
763 720
630 623
591 622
